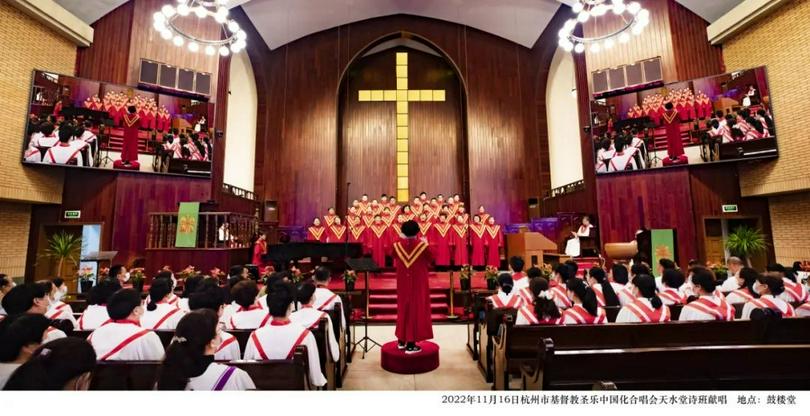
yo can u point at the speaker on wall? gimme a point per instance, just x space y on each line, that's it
534 207
270 211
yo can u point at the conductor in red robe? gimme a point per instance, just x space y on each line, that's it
412 259
672 126
129 152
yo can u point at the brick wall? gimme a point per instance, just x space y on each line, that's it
780 41
15 218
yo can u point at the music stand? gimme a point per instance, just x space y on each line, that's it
98 257
364 265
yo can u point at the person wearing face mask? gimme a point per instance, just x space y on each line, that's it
171 298
59 310
209 296
121 274
586 309
31 298
309 317
278 339
160 314
122 337
710 305
6 284
647 307
20 335
768 287
746 287
64 364
189 362
96 314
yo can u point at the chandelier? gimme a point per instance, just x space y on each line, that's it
634 19
165 23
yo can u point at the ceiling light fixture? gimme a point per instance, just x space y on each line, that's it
634 19
164 21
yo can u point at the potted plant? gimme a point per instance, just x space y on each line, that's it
103 273
720 270
746 242
297 275
464 276
63 247
137 278
85 279
217 274
546 271
491 274
349 278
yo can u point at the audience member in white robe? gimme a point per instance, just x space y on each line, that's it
309 317
542 310
603 156
664 264
687 290
63 364
95 314
57 289
795 292
745 292
708 306
6 284
46 137
734 265
803 311
619 277
189 362
626 295
506 297
325 299
519 278
21 335
171 299
31 298
585 310
279 339
66 152
250 314
622 159
561 275
671 282
272 280
190 285
769 287
160 314
647 308
209 296
123 339
602 288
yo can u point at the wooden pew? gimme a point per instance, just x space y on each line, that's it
516 346
725 367
478 303
142 375
342 337
489 327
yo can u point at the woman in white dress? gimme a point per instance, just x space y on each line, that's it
189 362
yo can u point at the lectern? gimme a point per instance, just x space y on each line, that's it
530 246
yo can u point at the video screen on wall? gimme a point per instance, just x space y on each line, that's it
722 118
82 123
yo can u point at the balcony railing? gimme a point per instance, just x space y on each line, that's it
214 230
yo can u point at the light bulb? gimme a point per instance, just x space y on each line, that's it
222 2
168 10
568 47
562 42
624 38
235 48
637 29
633 7
241 35
193 46
599 10
222 15
200 12
178 41
166 34
183 10
159 17
579 48
583 16
233 26
224 51
643 15
562 33
595 47
209 50
159 26
241 44
577 7
617 2
619 8
609 43
570 24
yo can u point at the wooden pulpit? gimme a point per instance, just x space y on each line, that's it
530 246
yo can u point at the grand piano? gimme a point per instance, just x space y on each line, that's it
282 254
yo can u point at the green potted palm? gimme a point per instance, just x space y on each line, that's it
746 242
63 247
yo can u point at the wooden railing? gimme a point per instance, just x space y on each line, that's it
565 189
214 230
238 192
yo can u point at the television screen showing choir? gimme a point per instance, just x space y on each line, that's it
721 118
456 237
85 123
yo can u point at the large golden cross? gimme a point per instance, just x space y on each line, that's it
402 95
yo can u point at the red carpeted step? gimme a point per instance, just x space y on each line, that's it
393 296
387 317
393 306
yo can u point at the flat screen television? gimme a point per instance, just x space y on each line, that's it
723 118
88 124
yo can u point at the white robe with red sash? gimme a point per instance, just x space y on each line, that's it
561 297
707 308
165 316
309 317
93 317
51 334
325 300
642 311
671 296
768 302
125 341
794 292
61 310
229 348
803 311
277 341
520 281
62 154
249 318
219 377
502 300
739 296
578 315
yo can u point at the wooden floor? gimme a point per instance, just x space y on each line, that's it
457 371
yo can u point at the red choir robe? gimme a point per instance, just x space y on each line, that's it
143 119
424 230
442 242
336 233
412 260
367 220
129 152
461 244
259 249
316 233
494 241
358 234
353 220
117 114
478 242
329 219
673 130
378 242
395 209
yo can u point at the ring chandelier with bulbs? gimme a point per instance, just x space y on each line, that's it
165 22
634 19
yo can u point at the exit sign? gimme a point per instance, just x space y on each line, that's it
730 209
73 214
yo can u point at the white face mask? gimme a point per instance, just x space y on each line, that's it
756 289
59 295
126 276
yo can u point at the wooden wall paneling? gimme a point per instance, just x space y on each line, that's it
695 57
220 124
107 59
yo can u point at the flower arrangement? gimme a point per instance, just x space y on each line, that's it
465 273
349 276
491 273
103 273
186 273
546 271
86 273
297 275
719 269
137 278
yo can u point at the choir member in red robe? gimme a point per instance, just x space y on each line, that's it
423 197
424 226
406 214
353 219
442 241
478 243
359 234
363 202
129 151
259 250
316 232
482 213
395 208
412 259
329 218
379 241
672 126
336 233
494 241
367 217
416 207
461 242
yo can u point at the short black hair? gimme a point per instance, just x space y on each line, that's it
673 278
667 264
20 330
164 274
619 273
21 298
236 270
639 269
244 293
157 291
115 270
564 271
100 293
305 293
704 278
278 302
208 297
534 272
321 275
58 281
122 303
410 228
517 263
53 365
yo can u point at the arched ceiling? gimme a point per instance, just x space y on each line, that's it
283 21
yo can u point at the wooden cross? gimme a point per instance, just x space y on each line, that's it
402 95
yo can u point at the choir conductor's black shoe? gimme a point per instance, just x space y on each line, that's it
412 349
400 345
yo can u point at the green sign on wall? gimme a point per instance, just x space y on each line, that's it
187 218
